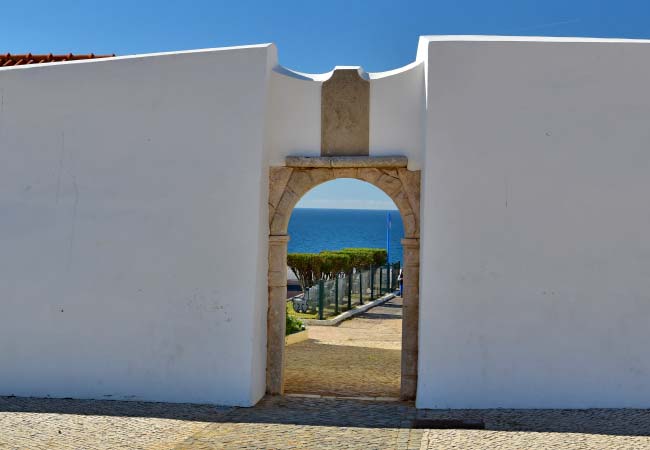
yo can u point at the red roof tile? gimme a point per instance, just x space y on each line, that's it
18 60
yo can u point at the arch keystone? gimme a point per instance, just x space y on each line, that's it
319 176
349 172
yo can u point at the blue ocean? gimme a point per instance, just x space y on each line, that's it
315 230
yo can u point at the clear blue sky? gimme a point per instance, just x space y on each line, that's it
311 36
346 194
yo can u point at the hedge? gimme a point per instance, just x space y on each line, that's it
311 267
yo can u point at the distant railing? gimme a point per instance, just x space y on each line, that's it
328 298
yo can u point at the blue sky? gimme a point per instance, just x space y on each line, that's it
346 193
311 36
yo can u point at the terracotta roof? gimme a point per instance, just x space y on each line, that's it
18 60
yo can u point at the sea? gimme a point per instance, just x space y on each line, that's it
313 230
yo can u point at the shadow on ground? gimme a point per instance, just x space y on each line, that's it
347 413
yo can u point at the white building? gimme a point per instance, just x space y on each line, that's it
134 189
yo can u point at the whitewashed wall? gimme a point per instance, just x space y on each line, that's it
293 127
535 283
133 203
397 107
132 207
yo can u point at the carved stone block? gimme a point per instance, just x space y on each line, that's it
345 114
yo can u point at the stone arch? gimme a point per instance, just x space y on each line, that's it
287 185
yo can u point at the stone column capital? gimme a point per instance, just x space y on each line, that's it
411 242
278 238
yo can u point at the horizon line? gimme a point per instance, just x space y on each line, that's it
346 209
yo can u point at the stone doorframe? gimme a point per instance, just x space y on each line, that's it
287 184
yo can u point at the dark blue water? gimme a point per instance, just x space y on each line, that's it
314 230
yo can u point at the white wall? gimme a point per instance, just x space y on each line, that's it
397 104
293 127
397 107
132 206
133 203
535 283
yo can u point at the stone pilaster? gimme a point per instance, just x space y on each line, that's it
276 324
410 317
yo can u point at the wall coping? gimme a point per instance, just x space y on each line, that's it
346 161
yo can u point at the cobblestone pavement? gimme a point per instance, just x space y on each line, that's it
36 423
543 429
358 358
288 423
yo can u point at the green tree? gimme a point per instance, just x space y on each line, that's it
311 267
302 264
333 263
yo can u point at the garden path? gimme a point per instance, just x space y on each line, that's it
358 358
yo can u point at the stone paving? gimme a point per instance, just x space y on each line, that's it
36 423
379 327
288 423
543 429
358 358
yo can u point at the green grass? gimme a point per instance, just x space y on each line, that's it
328 312
293 313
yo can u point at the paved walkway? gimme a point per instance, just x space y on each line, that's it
603 429
358 358
281 423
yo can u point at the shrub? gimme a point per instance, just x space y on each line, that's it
364 257
333 263
306 267
311 267
294 325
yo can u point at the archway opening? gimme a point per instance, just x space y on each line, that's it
287 185
343 288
